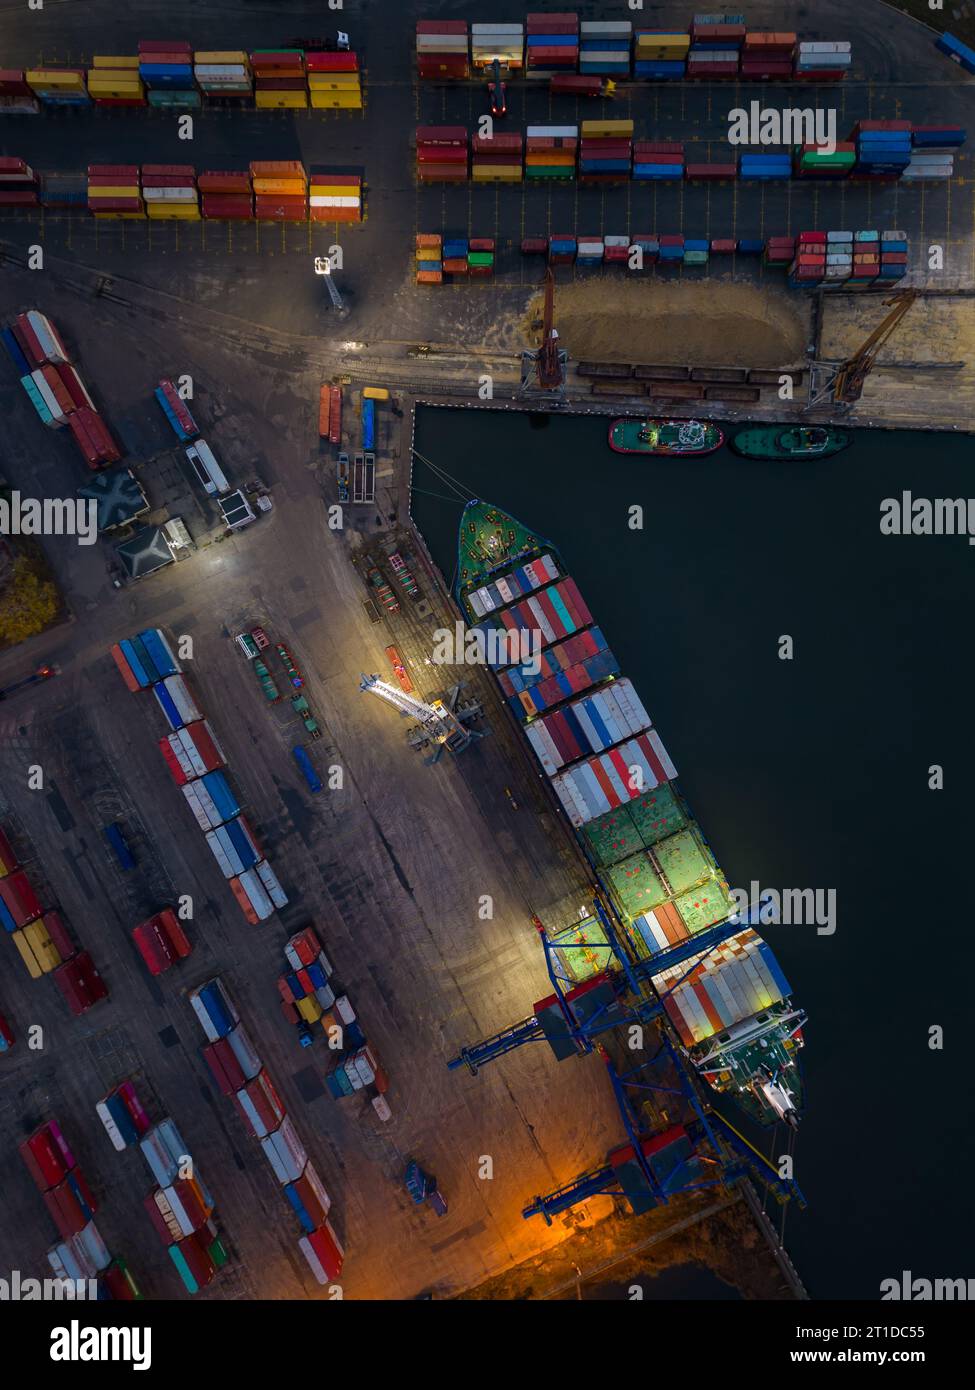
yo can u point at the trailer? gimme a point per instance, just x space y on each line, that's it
364 477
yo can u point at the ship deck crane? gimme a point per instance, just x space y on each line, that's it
841 383
439 723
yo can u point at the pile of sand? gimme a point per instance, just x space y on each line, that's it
708 323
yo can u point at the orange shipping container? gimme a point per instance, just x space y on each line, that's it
324 401
429 277
428 239
277 169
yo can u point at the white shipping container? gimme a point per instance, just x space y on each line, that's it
333 200
258 1127
314 1263
202 805
231 71
428 44
271 885
256 895
181 698
285 1152
494 31
48 397
325 995
230 863
544 745
167 1210
552 132
325 963
344 1009
381 1108
69 1262
48 337
170 195
88 1244
353 1077
111 1128
605 29
245 1051
281 1170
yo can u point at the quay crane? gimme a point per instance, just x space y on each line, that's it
658 1161
841 383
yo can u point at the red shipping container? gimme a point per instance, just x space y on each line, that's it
281 209
114 171
483 243
8 859
214 181
225 1067
227 207
326 1246
11 197
443 65
441 154
331 62
80 983
723 244
153 948
58 932
498 144
534 246
36 354
151 171
170 928
194 1252
711 171
155 1216
127 1092
47 1156
441 26
305 945
19 898
73 384
65 1211
290 1012
441 134
58 389
576 83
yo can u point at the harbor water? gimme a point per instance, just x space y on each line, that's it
811 677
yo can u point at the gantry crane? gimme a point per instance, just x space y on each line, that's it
543 371
841 383
701 1149
440 724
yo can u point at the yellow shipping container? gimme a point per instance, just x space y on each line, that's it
26 954
327 81
234 56
267 101
183 212
292 186
375 393
670 43
334 190
621 129
429 253
119 216
45 952
503 173
102 60
114 89
128 191
50 79
310 1009
340 101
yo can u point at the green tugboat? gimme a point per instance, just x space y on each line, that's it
800 442
636 436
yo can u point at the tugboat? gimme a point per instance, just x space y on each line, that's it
798 442
693 437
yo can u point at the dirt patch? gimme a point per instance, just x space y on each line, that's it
709 323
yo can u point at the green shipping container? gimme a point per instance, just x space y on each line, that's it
218 1253
613 837
656 814
695 258
177 97
582 949
705 905
480 258
551 171
637 885
683 861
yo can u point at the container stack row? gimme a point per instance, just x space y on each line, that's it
56 391
850 260
713 47
196 763
241 1076
441 154
442 47
502 43
498 159
81 1254
439 255
41 937
169 74
334 197
552 43
551 152
20 186
180 1208
607 153
604 47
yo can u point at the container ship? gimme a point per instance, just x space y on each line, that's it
722 990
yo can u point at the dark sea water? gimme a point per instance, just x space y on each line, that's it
809 773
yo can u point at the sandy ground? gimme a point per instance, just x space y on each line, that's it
713 322
933 330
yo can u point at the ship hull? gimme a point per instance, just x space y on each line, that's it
793 445
662 438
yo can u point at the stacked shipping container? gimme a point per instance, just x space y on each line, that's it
442 47
552 44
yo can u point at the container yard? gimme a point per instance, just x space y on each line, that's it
315 819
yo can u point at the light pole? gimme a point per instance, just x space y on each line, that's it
323 267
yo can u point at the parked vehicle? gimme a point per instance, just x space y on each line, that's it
206 470
116 839
176 411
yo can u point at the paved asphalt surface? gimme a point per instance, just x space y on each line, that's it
391 868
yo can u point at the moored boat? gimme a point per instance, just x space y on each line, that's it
790 442
633 435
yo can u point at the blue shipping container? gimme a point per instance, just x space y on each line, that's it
223 798
211 997
369 424
307 768
113 834
124 1123
173 716
159 652
13 347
